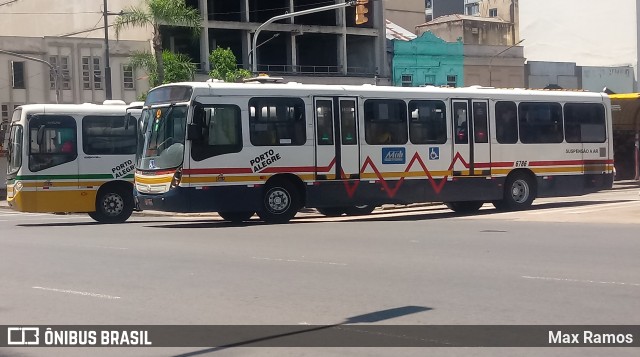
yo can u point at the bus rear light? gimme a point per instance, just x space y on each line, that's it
177 177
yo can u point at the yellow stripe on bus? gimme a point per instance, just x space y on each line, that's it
54 201
154 180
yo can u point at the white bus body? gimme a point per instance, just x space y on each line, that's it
274 148
72 158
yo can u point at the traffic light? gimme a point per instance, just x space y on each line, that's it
361 11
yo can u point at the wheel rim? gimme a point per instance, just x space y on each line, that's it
113 204
520 191
278 200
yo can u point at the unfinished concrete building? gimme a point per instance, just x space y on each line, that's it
324 47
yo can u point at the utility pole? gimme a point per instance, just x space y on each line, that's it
254 59
107 68
56 73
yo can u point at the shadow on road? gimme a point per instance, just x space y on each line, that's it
424 213
306 333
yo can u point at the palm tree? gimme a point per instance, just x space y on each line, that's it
155 14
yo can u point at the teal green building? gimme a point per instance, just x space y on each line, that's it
428 60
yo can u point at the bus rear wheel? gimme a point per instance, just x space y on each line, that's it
519 193
360 210
464 206
113 205
236 217
280 202
332 211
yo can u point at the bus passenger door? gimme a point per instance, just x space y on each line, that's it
481 154
462 157
337 150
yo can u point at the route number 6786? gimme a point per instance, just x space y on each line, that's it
522 163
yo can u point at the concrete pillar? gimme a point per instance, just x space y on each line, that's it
204 36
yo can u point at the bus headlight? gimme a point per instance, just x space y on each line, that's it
177 177
18 186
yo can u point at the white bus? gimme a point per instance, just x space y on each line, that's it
271 149
72 158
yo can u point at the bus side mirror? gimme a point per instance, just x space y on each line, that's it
194 132
40 136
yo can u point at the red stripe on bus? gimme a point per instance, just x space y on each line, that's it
233 170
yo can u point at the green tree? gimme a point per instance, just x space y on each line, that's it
154 14
223 66
177 67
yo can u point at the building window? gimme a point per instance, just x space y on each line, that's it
62 64
452 81
472 9
429 80
427 4
5 113
91 73
17 75
97 73
493 12
128 81
407 80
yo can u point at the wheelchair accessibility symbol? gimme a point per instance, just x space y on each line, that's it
434 153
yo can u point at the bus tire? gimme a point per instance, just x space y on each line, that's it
360 210
236 217
464 206
280 202
519 192
113 205
332 211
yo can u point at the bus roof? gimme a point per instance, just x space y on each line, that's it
293 88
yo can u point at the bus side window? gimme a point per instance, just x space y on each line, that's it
506 122
53 141
223 129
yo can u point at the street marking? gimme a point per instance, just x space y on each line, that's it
101 247
580 281
587 208
83 293
297 261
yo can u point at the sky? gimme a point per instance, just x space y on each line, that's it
587 32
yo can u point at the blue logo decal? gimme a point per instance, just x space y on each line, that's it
434 153
393 156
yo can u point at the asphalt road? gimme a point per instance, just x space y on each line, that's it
569 261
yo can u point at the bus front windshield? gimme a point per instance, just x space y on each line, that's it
163 138
15 149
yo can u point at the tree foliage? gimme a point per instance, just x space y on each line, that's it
177 67
153 14
224 66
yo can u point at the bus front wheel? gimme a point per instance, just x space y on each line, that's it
113 205
280 202
519 193
235 217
